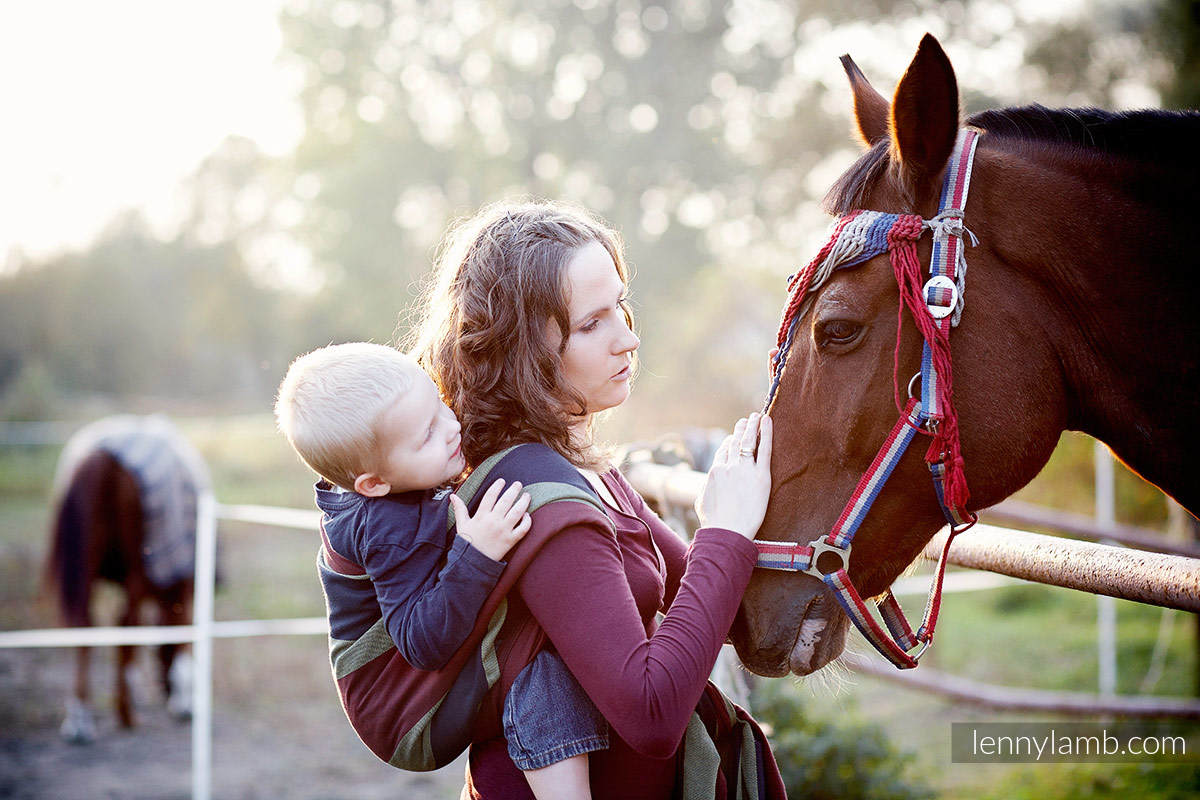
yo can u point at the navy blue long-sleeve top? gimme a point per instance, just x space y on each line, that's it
429 585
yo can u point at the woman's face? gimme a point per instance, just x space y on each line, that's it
598 360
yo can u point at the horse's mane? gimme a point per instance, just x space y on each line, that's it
1138 135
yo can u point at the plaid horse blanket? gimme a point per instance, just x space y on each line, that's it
170 475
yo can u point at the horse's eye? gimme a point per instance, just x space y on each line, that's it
838 331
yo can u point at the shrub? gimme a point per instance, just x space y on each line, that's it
823 759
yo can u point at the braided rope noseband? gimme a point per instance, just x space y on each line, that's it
936 307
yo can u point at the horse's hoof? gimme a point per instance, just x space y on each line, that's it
179 707
79 726
77 737
180 678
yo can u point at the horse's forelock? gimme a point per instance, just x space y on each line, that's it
850 190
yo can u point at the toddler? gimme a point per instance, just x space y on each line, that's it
371 424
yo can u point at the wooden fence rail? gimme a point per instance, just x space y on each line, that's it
1161 579
1170 579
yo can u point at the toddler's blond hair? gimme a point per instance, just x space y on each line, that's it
330 401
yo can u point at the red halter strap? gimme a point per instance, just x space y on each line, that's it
935 306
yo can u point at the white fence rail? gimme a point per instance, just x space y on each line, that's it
203 630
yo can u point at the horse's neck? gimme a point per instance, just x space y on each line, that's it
1119 272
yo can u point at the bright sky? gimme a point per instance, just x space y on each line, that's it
108 105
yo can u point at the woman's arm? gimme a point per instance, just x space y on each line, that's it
674 551
735 491
647 687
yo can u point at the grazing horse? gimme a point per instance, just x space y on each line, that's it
126 491
1079 313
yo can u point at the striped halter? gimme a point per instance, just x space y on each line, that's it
936 306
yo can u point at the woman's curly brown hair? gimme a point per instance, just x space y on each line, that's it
482 334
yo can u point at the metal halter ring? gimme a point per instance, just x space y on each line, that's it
911 382
820 547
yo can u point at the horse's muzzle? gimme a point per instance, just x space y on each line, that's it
788 623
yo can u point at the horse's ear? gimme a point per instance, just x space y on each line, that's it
924 120
870 107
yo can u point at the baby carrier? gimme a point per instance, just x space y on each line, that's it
422 720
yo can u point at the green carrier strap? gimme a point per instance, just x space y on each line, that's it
416 750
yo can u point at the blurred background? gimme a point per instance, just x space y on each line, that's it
195 193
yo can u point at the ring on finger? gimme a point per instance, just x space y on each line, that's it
746 452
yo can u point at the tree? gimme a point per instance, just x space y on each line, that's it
705 130
1179 30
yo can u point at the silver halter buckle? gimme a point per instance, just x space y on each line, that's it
939 311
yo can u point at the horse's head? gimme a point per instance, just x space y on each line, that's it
835 406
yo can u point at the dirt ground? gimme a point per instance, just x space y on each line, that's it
278 731
285 739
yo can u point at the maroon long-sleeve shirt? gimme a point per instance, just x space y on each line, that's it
597 600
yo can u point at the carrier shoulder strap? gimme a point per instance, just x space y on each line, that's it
418 720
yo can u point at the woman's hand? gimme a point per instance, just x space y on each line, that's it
739 481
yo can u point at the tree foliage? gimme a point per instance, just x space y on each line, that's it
705 130
1179 30
134 316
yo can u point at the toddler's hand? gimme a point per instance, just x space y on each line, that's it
500 521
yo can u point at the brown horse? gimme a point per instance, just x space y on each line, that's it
1080 314
121 483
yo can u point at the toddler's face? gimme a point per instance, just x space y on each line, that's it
420 445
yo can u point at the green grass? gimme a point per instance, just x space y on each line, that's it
250 461
1087 781
25 474
1066 483
996 635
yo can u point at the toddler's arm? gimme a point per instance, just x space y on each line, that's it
430 625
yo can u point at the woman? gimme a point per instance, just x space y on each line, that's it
529 336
